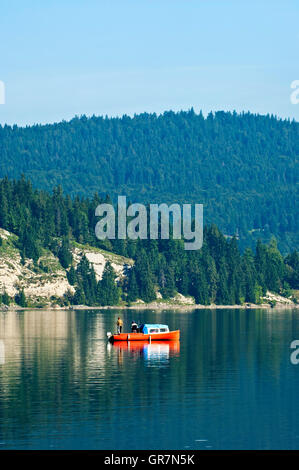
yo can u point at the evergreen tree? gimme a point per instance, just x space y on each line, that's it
20 299
64 253
275 267
144 277
71 276
5 298
200 288
29 244
261 264
79 297
86 279
133 291
222 295
108 292
292 269
169 288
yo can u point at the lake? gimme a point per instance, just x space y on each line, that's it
228 384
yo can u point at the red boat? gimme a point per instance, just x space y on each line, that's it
149 332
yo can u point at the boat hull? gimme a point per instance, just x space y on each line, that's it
169 336
173 347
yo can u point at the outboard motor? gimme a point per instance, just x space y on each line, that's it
110 336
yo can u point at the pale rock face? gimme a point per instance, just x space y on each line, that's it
181 299
9 275
278 298
57 288
15 276
98 261
4 234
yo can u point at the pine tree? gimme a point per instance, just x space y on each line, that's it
275 267
169 288
144 277
212 278
222 296
64 253
5 298
133 291
20 299
253 290
79 297
71 276
86 279
292 269
29 244
261 264
107 291
4 213
200 288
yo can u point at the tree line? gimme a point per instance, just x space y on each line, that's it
220 272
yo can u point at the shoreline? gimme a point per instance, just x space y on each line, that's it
156 306
185 307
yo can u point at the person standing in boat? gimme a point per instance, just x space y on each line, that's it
119 325
134 327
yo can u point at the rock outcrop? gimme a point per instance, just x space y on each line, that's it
48 279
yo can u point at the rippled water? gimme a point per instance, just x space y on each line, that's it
228 384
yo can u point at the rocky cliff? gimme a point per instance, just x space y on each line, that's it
47 279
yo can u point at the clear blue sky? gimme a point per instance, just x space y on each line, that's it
60 58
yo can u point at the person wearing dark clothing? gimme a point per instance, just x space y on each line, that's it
134 327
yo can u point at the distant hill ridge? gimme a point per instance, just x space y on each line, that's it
242 167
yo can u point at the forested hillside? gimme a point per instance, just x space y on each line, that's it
217 273
243 168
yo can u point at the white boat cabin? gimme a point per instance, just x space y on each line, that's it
154 328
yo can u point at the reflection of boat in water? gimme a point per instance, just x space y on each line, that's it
171 346
148 332
156 351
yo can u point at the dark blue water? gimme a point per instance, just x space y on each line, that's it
229 384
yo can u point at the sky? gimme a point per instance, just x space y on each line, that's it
61 58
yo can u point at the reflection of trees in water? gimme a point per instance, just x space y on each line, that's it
234 339
58 363
2 353
47 362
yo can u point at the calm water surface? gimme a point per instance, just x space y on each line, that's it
228 384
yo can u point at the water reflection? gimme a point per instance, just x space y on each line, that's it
2 353
156 353
229 380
